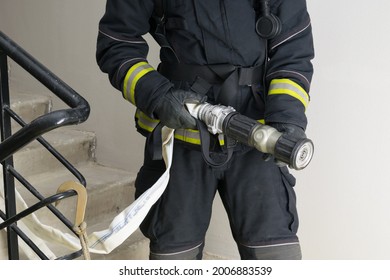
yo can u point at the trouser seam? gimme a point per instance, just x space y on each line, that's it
176 253
271 245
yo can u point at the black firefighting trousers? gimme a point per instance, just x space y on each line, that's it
258 196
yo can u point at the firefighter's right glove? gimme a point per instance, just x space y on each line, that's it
171 110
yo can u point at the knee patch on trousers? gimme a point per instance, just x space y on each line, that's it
272 252
190 254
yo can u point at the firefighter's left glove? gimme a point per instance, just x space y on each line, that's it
171 110
293 132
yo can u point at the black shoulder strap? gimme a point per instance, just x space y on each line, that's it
159 6
157 29
157 16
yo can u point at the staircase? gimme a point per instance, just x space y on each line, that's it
109 190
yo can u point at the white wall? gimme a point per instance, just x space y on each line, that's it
344 194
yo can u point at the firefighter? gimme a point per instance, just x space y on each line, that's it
252 55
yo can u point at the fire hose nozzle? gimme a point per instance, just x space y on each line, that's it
297 153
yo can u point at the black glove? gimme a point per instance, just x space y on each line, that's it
292 130
171 110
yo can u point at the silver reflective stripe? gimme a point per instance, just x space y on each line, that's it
287 86
188 251
271 245
185 135
188 135
136 72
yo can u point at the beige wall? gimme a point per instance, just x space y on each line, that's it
343 195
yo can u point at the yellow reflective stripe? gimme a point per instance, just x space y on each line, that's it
192 136
221 139
145 122
287 86
188 135
136 72
185 135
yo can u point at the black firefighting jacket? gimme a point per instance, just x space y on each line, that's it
210 32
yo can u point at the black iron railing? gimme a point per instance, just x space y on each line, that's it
11 143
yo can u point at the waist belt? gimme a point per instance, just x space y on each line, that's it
202 77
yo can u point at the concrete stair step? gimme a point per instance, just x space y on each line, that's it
29 106
109 192
76 146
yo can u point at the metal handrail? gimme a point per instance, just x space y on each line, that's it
78 113
11 143
42 203
50 148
